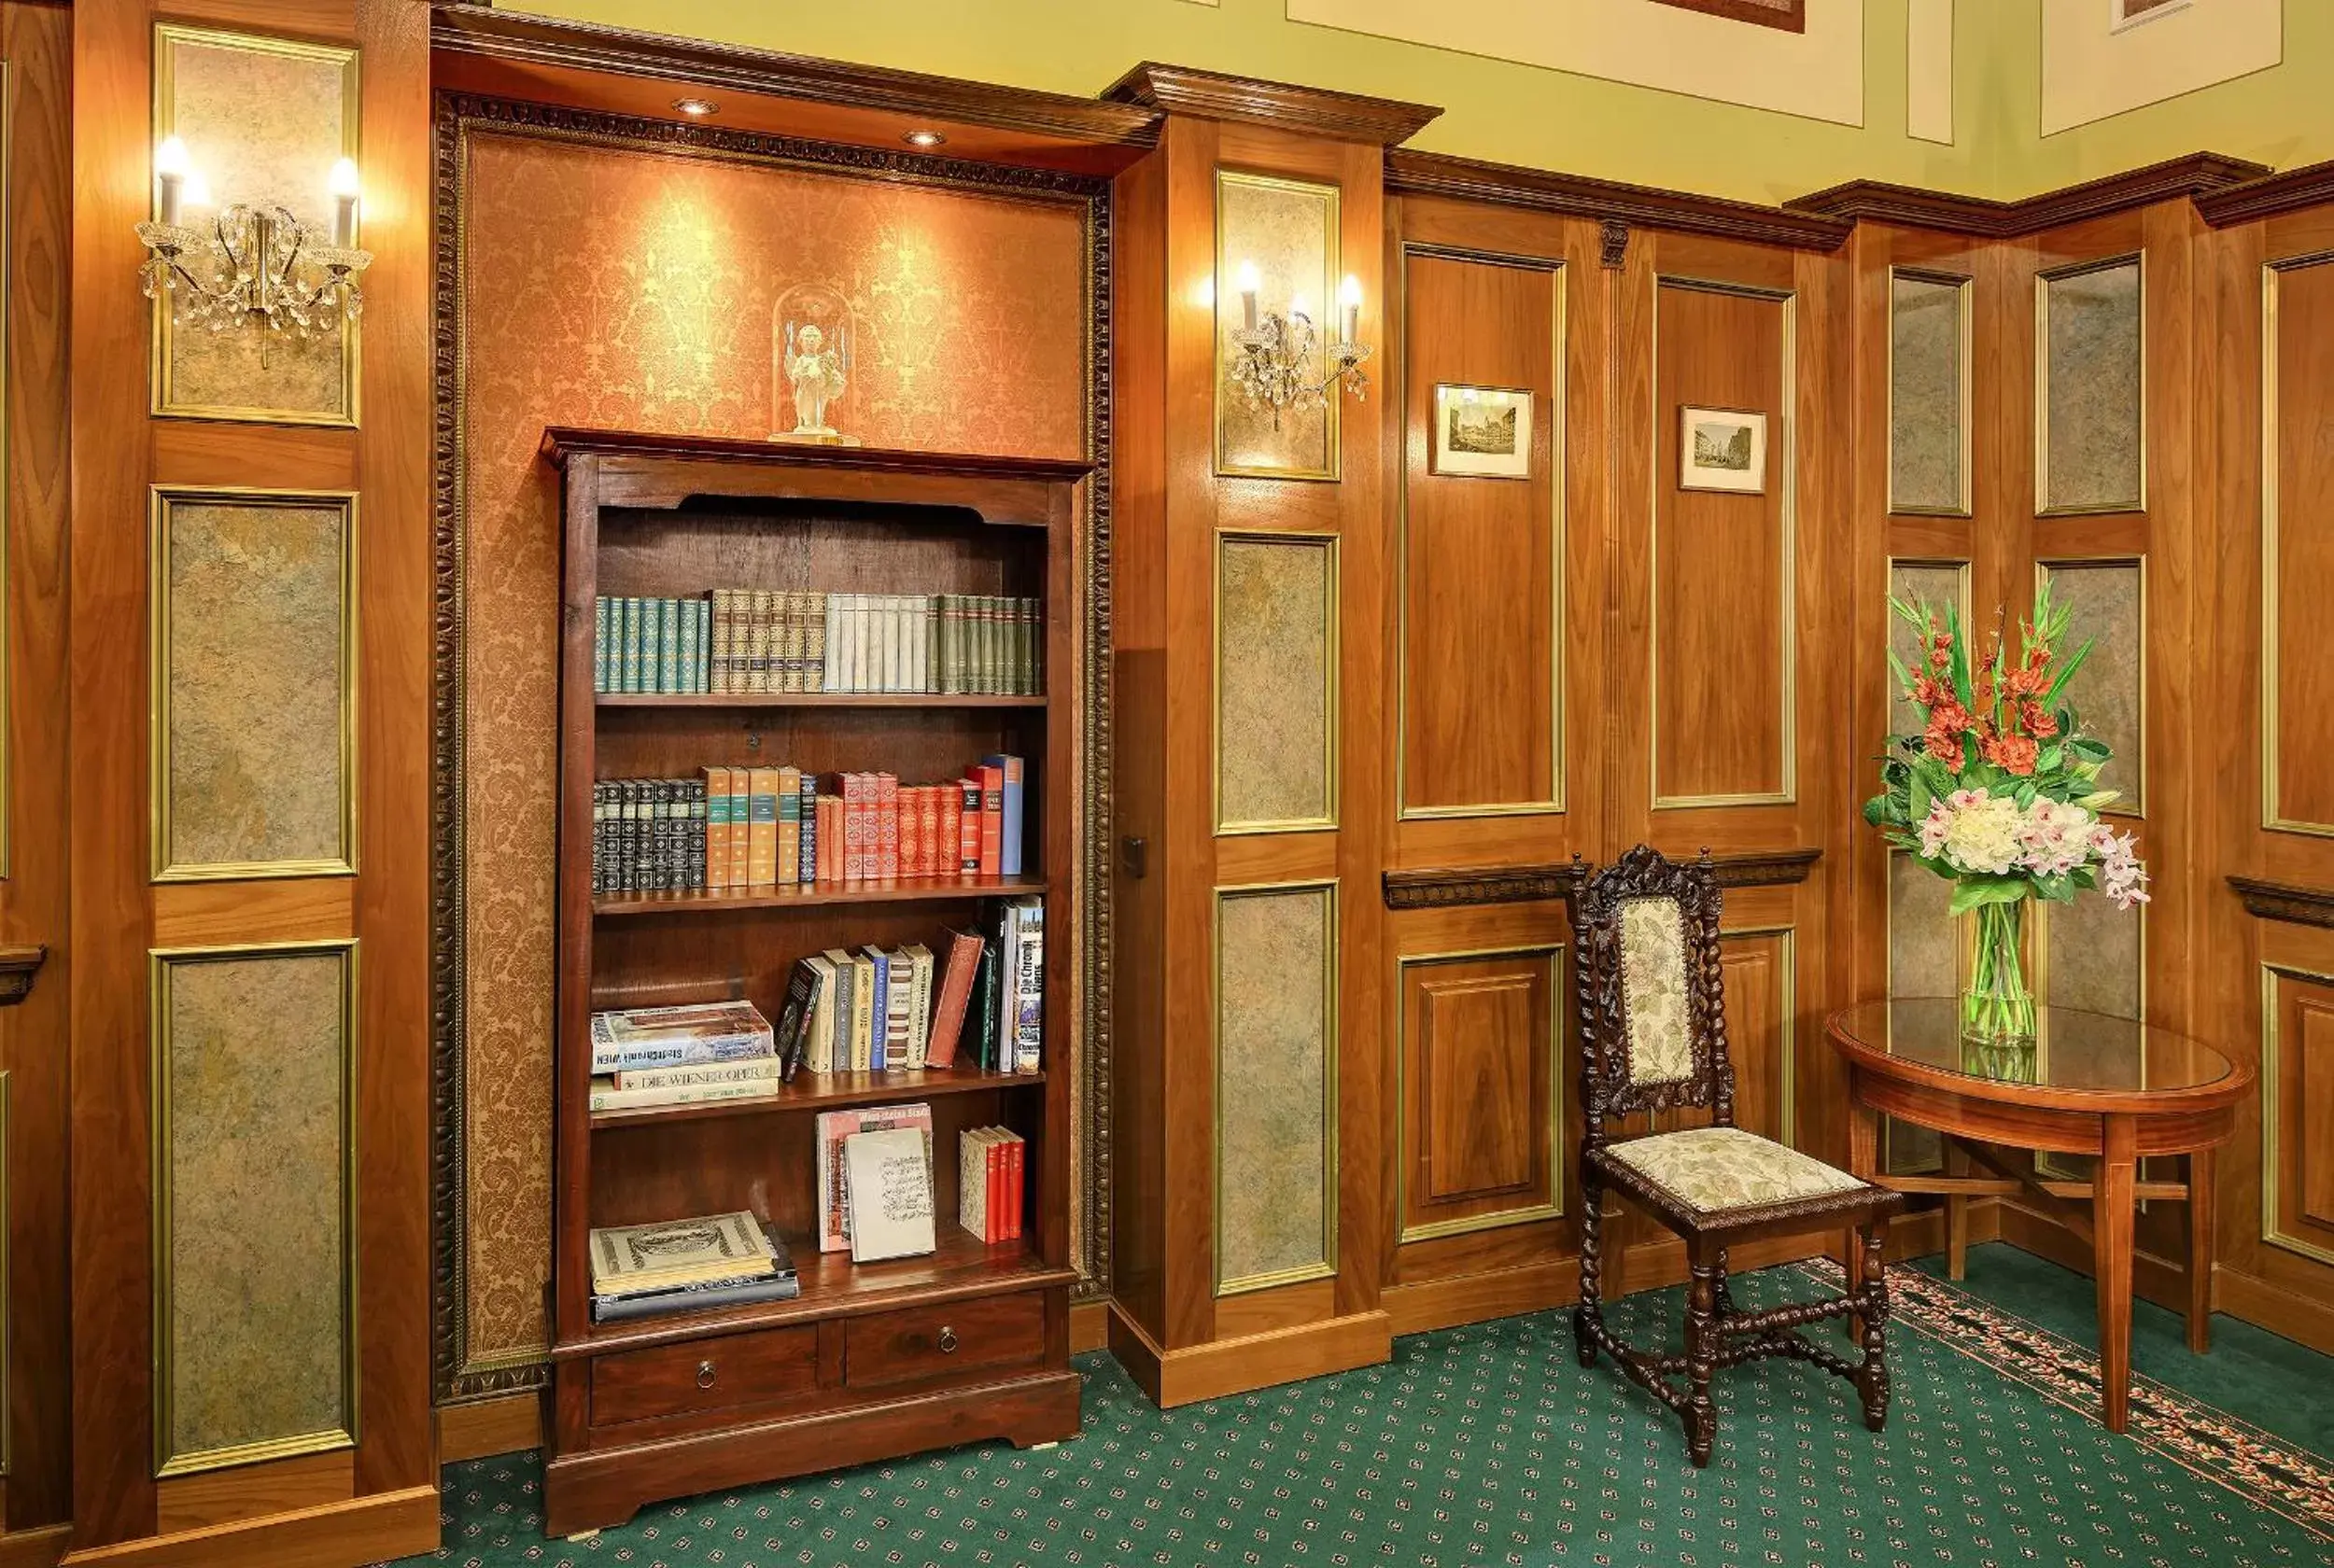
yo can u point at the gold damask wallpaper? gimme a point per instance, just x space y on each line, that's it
610 286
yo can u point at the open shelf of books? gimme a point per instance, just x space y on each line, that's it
812 1158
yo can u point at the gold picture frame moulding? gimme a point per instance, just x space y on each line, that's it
2274 816
169 37
1332 693
1783 439
1558 527
1330 971
1226 300
1558 959
1964 287
163 867
2273 1231
161 961
2136 259
2134 805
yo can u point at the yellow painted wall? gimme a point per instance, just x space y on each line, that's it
1545 118
1492 109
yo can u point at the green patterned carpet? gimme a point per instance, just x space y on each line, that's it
1490 1445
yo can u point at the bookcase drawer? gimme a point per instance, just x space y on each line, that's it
942 1341
713 1374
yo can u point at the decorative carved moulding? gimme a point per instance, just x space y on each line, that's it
2310 186
2198 175
1455 888
18 965
516 38
1435 174
1315 111
2284 900
1763 868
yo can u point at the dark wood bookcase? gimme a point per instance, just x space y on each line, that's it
871 1361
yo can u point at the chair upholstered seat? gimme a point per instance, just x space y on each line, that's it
1713 1169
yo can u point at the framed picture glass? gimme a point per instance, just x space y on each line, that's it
1483 432
1722 449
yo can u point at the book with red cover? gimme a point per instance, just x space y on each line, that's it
911 832
992 818
888 844
853 789
968 825
928 831
1000 1182
1013 1179
947 849
956 992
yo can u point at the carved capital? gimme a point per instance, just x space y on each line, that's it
1613 243
18 966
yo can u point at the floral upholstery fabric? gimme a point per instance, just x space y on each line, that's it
1713 1170
1653 987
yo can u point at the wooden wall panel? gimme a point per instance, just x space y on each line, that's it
2298 658
2298 1113
1480 1098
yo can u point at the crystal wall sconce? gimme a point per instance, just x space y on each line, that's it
251 265
1281 358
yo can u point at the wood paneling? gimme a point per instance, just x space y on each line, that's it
2297 389
1477 1068
1479 655
2298 1113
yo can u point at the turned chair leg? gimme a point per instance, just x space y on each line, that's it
1702 1339
1872 1378
1590 1312
1722 1299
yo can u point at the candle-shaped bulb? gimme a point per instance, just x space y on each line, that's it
1251 283
1349 295
344 186
171 167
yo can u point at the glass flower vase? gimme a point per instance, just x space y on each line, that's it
1997 1010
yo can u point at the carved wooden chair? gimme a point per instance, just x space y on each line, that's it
1653 1038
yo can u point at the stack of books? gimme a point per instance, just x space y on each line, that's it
740 641
736 827
990 1180
644 1057
721 1260
835 1129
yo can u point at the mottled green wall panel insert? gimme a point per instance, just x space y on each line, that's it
264 121
1275 682
1276 1086
1929 348
254 1257
1924 959
2109 598
1286 229
2093 399
254 716
1941 585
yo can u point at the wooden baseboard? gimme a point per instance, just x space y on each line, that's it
34 1549
1284 1355
2153 1279
372 1529
2304 1320
475 1428
1090 1326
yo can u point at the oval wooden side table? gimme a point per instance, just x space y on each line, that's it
2113 1088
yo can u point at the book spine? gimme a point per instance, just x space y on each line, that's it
814 642
609 1058
698 802
599 643
888 826
911 831
762 827
625 613
754 1069
920 1010
1029 1009
685 663
789 825
879 1010
645 1099
830 667
718 665
599 836
807 814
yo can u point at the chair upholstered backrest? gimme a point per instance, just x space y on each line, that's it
1645 963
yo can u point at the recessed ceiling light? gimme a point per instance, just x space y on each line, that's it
924 138
696 109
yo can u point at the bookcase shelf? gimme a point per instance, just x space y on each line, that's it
807 895
875 1360
812 699
827 1091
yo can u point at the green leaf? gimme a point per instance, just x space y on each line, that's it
1972 891
2066 673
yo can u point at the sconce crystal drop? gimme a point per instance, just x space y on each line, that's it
1278 369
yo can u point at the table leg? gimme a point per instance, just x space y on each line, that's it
1863 1163
1956 1216
2200 1227
2111 1252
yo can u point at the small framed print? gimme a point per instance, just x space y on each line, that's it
1722 449
1482 432
2130 13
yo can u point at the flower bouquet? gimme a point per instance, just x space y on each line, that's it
1999 796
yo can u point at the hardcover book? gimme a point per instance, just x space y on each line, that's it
888 1176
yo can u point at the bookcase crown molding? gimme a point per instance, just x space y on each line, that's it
1346 117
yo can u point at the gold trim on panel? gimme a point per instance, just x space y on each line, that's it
161 961
2271 1113
1332 694
1559 400
2042 280
1496 1219
163 499
7 1345
2274 818
1787 1089
1326 1267
1787 417
8 672
167 34
2043 565
1324 329
1965 286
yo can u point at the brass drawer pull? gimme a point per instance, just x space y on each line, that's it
948 1341
705 1374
